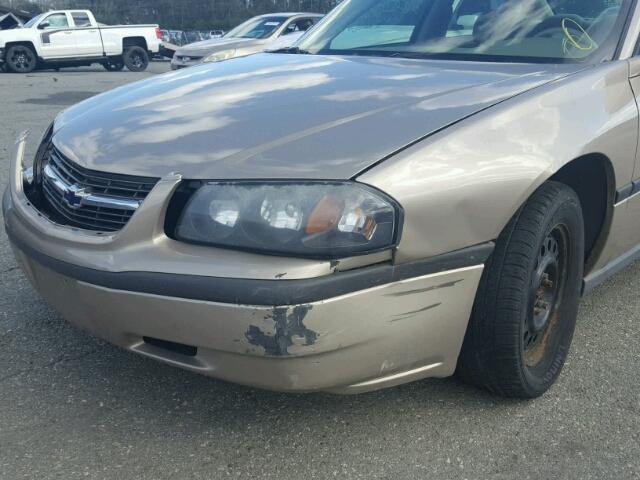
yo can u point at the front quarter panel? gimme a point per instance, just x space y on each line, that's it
20 35
461 187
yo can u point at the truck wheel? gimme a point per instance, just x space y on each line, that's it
136 59
527 304
114 65
21 59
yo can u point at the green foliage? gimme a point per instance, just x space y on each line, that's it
25 6
190 14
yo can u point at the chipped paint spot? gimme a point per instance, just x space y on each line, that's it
424 290
386 365
289 323
281 275
404 316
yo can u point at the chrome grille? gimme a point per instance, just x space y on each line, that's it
88 199
103 183
189 58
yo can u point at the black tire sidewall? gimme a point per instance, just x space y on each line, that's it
492 355
11 68
129 53
567 212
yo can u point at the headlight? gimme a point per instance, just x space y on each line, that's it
311 219
219 56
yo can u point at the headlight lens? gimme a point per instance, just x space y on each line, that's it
219 56
316 220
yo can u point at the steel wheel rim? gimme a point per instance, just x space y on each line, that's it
546 291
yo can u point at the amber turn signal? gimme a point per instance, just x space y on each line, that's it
326 215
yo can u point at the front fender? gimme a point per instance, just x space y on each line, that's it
18 35
461 186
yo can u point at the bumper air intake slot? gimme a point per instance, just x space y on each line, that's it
179 348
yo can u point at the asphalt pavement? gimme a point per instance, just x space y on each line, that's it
72 406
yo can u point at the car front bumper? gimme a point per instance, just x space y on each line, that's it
346 332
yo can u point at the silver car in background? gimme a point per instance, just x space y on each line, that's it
416 188
258 34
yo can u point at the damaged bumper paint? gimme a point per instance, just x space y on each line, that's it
363 341
295 325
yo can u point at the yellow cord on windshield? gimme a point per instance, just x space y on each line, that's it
592 44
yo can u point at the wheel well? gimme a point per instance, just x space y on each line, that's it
592 177
134 42
8 45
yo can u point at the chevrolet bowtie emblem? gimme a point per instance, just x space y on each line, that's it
74 196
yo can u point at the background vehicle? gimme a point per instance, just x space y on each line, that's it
216 34
9 20
253 36
192 36
285 41
65 38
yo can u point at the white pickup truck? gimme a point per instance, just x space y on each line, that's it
65 38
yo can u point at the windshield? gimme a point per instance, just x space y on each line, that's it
487 30
193 36
259 27
33 21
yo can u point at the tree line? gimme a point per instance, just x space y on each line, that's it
179 14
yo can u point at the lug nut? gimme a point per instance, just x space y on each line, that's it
542 305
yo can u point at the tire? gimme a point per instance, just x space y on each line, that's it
114 65
136 59
527 303
21 59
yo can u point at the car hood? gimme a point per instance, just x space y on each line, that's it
200 49
283 116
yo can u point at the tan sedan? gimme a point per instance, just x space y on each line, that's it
417 188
